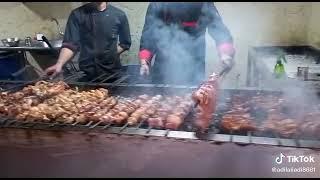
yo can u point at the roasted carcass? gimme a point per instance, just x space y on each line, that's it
206 98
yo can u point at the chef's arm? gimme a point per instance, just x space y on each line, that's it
69 47
120 50
71 41
65 55
147 44
124 35
221 34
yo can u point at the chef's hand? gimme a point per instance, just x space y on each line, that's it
227 62
120 50
54 70
144 68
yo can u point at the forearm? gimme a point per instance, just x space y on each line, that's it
147 41
65 55
124 35
226 54
219 31
226 50
120 50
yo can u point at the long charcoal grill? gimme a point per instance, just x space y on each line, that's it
185 132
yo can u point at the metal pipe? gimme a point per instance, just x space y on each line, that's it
58 25
111 76
119 81
102 75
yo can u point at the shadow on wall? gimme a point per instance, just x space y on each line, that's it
58 10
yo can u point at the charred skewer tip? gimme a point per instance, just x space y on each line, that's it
89 123
124 127
149 129
75 123
167 133
95 125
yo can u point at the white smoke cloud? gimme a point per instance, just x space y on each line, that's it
178 48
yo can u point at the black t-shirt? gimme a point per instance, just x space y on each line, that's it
96 33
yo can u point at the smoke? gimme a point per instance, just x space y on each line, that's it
300 96
177 48
181 52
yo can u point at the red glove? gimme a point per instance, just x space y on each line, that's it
145 58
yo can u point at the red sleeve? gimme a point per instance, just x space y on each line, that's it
226 48
145 54
147 41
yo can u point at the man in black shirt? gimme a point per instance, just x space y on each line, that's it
94 30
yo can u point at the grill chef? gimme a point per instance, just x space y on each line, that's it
94 29
174 33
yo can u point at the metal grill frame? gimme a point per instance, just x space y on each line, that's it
214 135
183 135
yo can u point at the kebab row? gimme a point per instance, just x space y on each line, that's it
31 95
66 105
57 102
277 121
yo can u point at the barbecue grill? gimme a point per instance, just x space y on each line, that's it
131 88
128 74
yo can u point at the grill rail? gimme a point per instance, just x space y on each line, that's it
213 136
